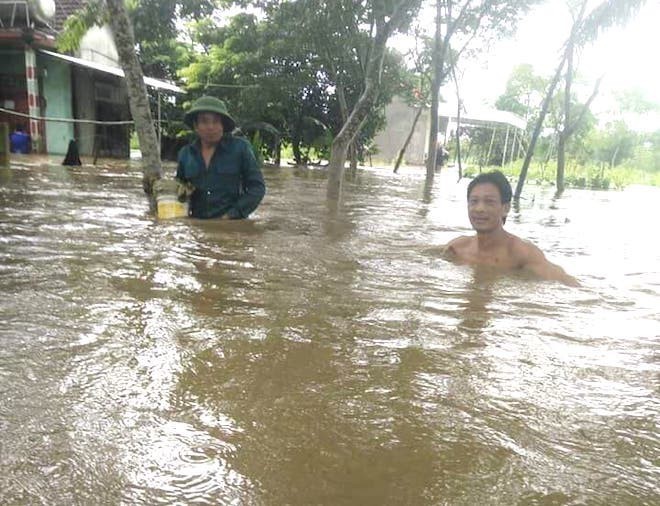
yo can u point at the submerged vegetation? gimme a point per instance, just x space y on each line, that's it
578 176
595 158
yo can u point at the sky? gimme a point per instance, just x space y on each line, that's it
626 56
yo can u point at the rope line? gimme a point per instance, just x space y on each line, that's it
71 120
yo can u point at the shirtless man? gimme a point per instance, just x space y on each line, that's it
489 201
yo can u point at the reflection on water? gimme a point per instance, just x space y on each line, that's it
321 356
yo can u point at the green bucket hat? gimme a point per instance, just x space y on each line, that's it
210 104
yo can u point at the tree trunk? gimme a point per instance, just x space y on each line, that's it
537 128
565 131
570 43
138 99
458 141
336 167
278 154
341 142
458 121
353 157
297 154
613 159
343 110
438 64
561 163
402 151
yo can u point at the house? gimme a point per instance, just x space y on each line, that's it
400 118
59 97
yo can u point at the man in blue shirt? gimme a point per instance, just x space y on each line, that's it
19 141
223 170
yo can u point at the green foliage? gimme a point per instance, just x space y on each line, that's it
291 68
257 147
92 14
646 156
634 101
607 14
641 168
610 158
612 145
155 26
524 93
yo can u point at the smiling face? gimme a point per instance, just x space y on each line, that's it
208 125
485 208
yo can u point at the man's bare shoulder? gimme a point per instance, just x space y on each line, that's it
452 249
524 250
531 258
460 241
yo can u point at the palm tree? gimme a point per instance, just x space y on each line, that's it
585 29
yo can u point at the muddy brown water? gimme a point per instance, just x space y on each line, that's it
314 355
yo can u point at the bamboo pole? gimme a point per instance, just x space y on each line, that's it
506 145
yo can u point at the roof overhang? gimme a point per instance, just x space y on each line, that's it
115 71
483 116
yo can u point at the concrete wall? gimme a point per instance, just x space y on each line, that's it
399 118
97 45
56 90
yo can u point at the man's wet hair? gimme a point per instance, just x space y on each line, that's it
498 179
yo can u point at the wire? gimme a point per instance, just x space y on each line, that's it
70 120
64 120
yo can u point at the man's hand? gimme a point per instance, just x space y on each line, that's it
183 190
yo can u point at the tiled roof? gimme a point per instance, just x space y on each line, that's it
63 9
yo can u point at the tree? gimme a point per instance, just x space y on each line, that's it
161 47
617 141
614 144
416 87
157 24
545 106
298 67
458 23
157 50
384 18
137 92
585 29
523 93
570 124
343 43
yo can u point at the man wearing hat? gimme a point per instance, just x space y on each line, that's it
221 168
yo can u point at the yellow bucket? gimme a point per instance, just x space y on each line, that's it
169 207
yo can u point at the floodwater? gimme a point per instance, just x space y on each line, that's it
320 356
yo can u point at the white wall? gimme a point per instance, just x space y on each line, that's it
399 118
97 45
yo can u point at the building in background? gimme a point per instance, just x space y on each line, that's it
506 126
37 81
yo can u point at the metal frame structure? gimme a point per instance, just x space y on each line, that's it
14 4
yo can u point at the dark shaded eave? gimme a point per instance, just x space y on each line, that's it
20 37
